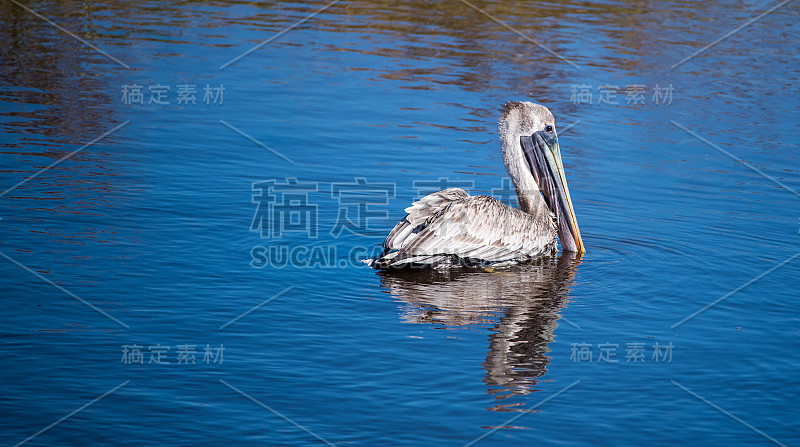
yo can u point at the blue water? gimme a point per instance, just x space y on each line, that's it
159 234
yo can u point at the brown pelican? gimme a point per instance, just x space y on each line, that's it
450 227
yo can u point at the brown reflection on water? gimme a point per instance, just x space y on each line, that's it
521 305
54 75
448 42
57 88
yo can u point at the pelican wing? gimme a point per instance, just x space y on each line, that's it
419 214
450 225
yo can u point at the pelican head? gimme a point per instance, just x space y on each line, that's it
533 160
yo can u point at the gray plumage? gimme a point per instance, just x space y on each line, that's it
450 227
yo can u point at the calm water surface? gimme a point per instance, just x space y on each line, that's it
225 232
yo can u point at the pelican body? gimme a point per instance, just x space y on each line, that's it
452 228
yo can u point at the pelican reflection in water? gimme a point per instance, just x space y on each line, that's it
450 227
521 304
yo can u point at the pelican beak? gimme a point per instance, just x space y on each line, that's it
544 158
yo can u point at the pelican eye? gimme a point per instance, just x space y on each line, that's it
548 128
